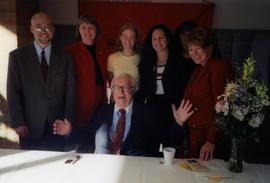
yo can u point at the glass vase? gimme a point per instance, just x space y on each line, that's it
235 161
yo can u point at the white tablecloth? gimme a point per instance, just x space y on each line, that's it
17 166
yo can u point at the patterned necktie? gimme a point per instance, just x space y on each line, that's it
119 133
44 66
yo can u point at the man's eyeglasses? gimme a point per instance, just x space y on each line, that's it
118 88
45 29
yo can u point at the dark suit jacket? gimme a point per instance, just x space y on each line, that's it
30 100
142 137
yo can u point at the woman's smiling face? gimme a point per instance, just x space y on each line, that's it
159 40
199 54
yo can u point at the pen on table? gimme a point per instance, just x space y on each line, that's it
77 159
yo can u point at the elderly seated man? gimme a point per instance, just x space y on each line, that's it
124 127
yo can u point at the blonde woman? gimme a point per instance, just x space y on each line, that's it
126 58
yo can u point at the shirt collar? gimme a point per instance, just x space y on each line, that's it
39 49
127 109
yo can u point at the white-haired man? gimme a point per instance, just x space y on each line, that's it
123 127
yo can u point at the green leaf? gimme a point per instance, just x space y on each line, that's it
248 70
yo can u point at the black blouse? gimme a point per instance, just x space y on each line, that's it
92 50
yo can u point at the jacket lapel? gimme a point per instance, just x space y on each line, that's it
109 119
197 75
52 66
132 129
34 64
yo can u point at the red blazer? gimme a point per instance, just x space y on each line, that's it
88 95
206 84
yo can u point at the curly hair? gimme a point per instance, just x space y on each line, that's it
198 36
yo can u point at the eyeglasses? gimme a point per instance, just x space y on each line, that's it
118 88
45 29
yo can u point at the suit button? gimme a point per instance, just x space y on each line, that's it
193 126
193 142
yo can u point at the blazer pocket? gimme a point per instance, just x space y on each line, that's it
60 74
60 77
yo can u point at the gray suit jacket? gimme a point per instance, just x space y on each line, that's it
30 100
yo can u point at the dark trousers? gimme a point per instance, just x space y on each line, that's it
48 141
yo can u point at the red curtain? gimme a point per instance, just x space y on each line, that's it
112 15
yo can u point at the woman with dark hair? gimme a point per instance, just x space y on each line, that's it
206 84
162 80
90 71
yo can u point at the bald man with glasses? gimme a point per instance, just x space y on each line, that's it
40 88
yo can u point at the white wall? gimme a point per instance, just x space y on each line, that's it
8 43
229 14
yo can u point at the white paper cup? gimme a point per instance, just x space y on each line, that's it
168 153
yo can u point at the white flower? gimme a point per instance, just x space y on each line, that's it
238 114
225 108
222 105
256 120
265 102
243 101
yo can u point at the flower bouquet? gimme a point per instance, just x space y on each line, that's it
241 110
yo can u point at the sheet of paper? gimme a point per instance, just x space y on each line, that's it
218 168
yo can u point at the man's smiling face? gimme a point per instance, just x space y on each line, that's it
122 90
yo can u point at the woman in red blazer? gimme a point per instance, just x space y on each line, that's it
90 72
207 82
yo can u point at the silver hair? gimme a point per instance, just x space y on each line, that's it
132 81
